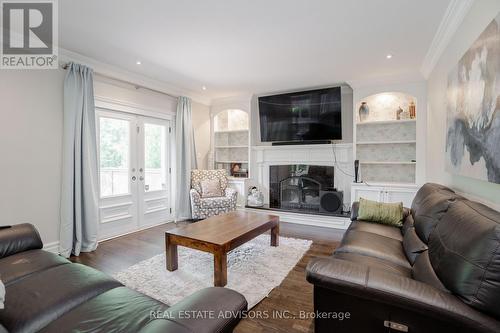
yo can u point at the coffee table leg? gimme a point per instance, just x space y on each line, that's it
220 269
275 235
170 254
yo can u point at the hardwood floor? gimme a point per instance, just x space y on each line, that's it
292 296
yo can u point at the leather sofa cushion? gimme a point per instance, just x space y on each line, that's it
464 250
412 245
373 245
19 238
117 310
379 229
429 211
423 271
23 264
375 263
43 297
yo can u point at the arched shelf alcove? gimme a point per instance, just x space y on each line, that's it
385 106
231 141
386 137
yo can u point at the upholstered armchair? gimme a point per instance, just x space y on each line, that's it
203 207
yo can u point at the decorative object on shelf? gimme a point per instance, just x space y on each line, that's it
364 112
235 168
255 197
412 109
243 173
398 113
473 121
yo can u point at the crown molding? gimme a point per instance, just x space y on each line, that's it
128 76
453 17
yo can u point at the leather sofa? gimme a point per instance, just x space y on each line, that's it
47 293
440 272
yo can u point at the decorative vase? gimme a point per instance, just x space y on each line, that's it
364 112
412 109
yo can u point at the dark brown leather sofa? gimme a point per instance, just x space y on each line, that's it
47 293
439 273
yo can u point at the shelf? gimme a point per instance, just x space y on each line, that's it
216 147
388 162
382 122
231 131
382 184
231 161
386 142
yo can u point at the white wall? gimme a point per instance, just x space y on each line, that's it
30 148
31 141
480 15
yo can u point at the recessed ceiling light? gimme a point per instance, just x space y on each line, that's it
138 62
204 88
389 56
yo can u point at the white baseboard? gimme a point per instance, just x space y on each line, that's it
52 247
333 222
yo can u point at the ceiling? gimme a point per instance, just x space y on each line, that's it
241 47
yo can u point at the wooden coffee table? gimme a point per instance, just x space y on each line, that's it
219 235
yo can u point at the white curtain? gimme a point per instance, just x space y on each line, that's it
185 157
79 192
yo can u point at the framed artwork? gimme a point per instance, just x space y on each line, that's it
473 109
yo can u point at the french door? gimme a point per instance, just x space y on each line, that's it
134 172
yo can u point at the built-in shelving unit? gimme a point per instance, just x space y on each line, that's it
231 142
386 146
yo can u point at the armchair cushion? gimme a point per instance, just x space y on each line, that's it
210 188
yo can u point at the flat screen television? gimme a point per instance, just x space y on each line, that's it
313 115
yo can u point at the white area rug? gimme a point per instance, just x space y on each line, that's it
253 269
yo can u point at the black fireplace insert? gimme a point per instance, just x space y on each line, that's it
297 187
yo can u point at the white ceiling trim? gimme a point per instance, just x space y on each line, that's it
453 17
127 76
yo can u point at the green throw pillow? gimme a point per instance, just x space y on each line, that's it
380 212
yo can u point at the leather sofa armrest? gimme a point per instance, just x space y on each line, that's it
360 281
19 238
354 210
209 310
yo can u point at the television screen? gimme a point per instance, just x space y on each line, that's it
301 116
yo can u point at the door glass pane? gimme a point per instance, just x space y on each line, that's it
114 142
154 156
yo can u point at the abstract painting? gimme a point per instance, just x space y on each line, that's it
473 109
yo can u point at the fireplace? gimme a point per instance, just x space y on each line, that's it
297 187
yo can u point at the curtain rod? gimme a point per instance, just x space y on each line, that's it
136 86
